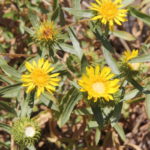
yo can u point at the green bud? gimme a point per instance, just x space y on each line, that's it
25 131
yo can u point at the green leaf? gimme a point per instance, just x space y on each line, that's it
34 19
4 145
6 79
49 101
69 101
98 115
5 128
145 58
75 43
143 17
84 111
127 2
130 95
76 4
55 14
93 124
84 63
97 136
66 48
110 61
27 105
55 4
62 17
124 35
79 12
107 49
103 39
28 30
10 91
7 107
138 86
11 72
119 130
147 101
117 112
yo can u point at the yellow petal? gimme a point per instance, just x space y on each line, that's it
29 66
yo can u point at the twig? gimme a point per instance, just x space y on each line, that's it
17 55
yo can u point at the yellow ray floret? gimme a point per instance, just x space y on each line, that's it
47 31
109 12
39 77
128 55
99 83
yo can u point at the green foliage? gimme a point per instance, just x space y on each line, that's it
67 104
145 18
70 121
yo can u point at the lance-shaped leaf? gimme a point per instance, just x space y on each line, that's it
11 72
79 12
67 105
138 86
27 105
75 43
111 61
119 130
98 115
143 17
5 145
5 127
7 107
124 35
144 58
117 112
34 19
10 91
130 95
66 48
107 50
147 104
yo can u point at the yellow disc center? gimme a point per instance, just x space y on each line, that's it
98 87
108 10
39 77
48 33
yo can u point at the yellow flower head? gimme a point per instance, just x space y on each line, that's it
128 55
40 77
109 12
47 31
99 83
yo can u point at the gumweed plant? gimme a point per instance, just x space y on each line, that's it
68 90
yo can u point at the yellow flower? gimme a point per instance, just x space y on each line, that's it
40 77
47 31
109 12
128 55
99 83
